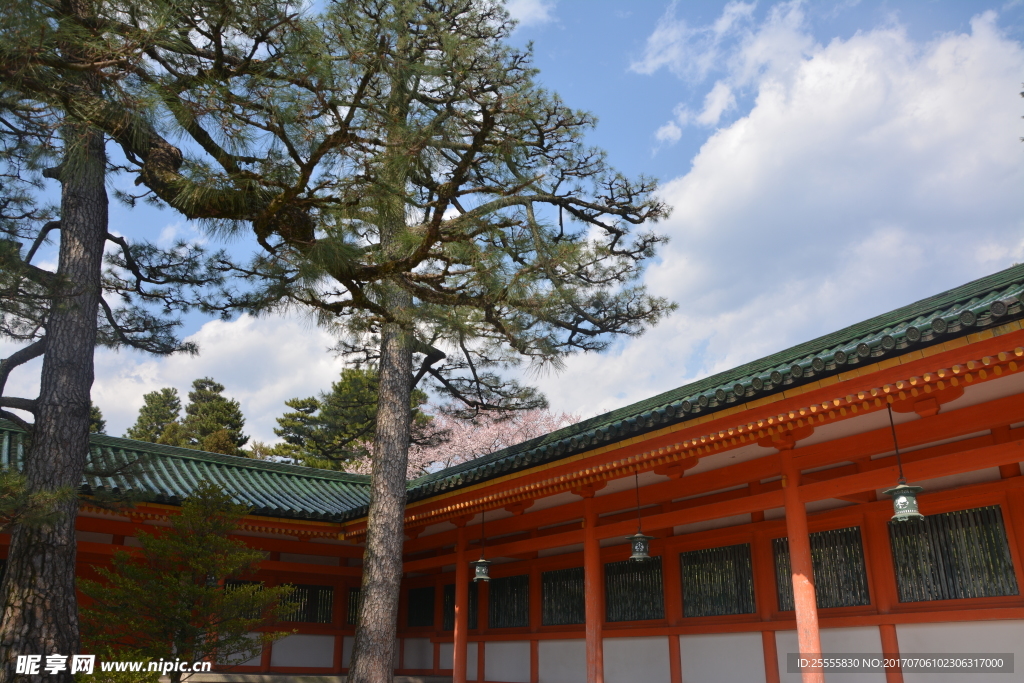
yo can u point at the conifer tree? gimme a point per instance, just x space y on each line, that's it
97 425
338 426
171 601
159 409
408 182
212 421
62 314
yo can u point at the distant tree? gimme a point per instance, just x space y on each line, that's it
159 409
467 439
337 427
97 425
261 450
213 422
408 181
169 600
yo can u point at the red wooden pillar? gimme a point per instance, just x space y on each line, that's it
675 664
461 605
891 651
764 595
536 616
771 657
673 583
268 649
593 588
804 599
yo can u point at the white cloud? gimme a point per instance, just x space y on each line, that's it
260 361
864 174
867 173
716 103
692 52
531 12
669 133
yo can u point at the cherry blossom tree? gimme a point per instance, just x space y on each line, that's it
468 439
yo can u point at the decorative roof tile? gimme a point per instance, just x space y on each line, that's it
989 301
166 474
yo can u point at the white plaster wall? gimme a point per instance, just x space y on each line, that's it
236 659
472 663
631 660
864 639
562 661
419 653
722 658
507 661
346 651
964 638
448 658
303 650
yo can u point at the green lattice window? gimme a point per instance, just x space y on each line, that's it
309 604
962 554
419 610
352 616
717 581
448 606
837 559
633 590
562 599
509 602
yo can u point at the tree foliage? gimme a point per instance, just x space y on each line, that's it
338 426
160 409
212 422
407 182
97 425
169 600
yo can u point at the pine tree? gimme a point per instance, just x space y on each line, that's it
213 422
170 601
412 186
97 425
338 426
159 409
62 315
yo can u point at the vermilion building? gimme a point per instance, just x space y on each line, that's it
762 487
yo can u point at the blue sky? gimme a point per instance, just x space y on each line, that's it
826 161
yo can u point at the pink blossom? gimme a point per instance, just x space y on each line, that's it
468 439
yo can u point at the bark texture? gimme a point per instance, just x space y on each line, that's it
374 652
40 614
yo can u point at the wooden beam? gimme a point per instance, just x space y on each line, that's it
932 468
860 447
857 381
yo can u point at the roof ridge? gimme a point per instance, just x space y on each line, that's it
208 457
991 288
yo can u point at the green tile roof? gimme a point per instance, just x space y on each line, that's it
991 300
166 474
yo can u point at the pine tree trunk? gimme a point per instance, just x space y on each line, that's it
374 651
40 614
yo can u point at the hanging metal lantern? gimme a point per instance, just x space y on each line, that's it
904 497
482 571
641 546
904 502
